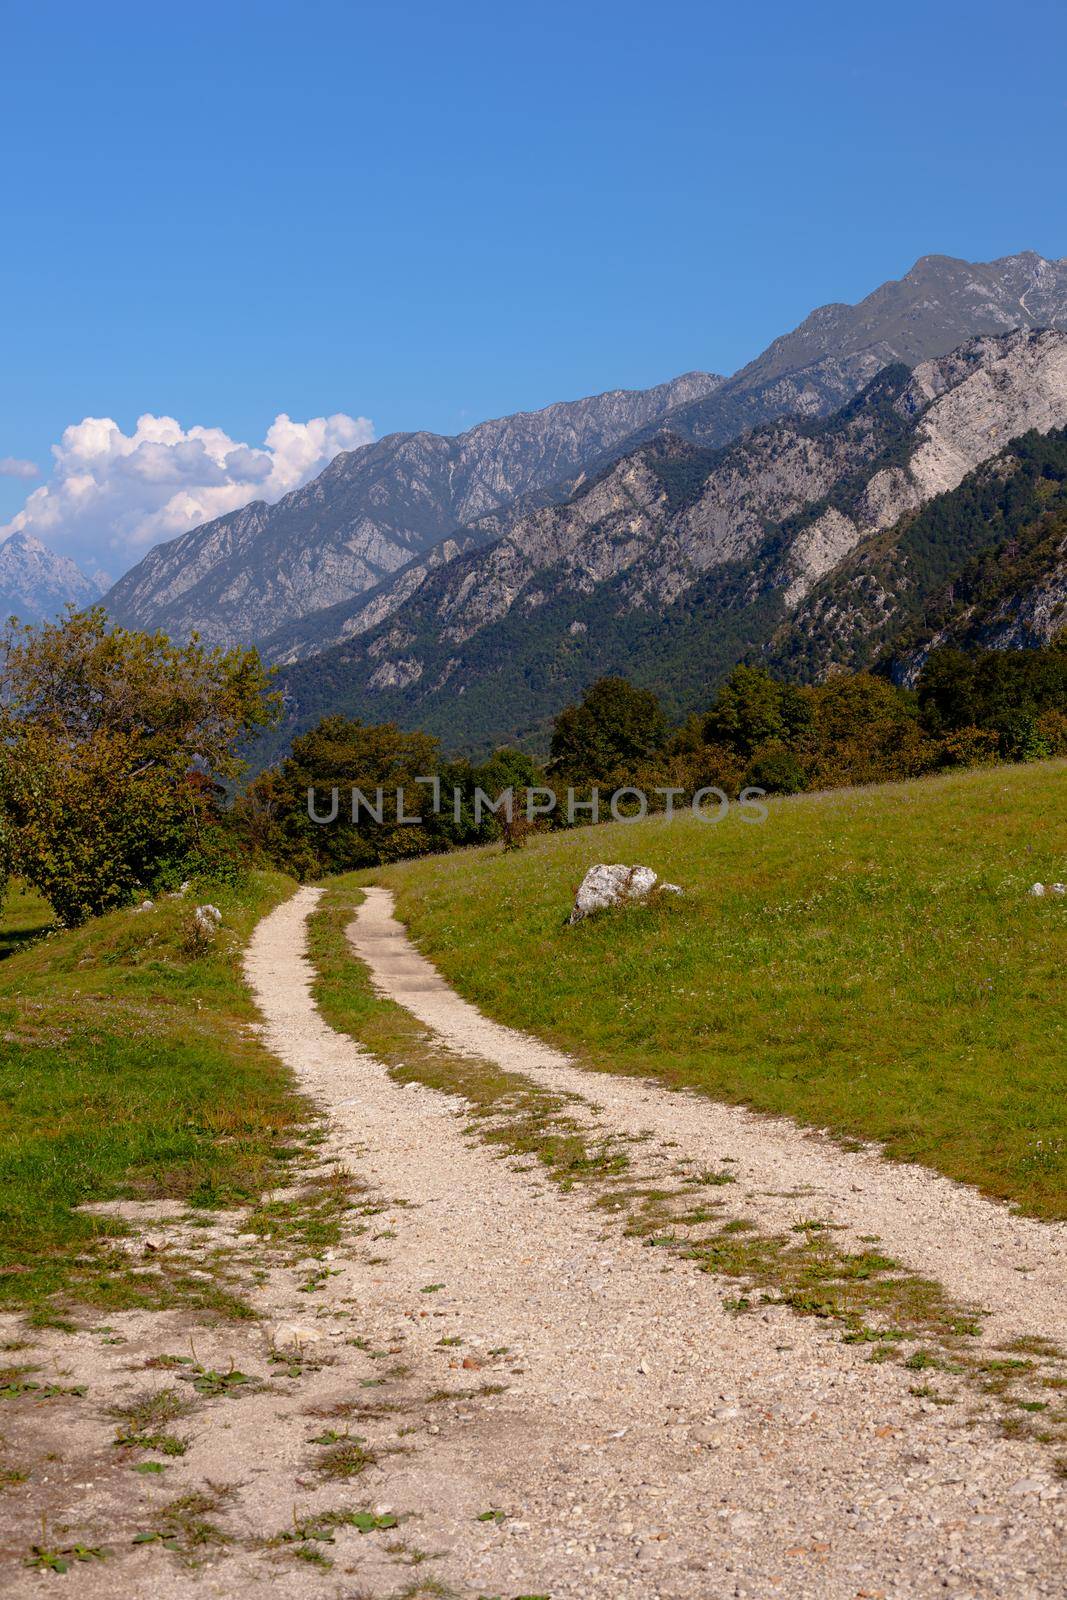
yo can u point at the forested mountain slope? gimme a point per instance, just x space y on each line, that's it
678 561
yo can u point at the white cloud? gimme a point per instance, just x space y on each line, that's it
15 467
112 495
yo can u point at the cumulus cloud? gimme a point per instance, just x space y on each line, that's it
15 467
112 495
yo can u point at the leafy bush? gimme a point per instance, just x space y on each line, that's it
776 770
391 769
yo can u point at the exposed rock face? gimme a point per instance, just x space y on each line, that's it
1033 617
670 533
933 309
349 618
368 516
36 583
970 404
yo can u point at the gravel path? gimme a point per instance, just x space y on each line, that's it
979 1251
646 1443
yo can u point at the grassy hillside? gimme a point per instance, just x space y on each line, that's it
126 1070
24 915
868 961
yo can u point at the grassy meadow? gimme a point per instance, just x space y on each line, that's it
866 960
126 1071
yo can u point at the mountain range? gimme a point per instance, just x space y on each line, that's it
370 514
36 583
677 561
472 584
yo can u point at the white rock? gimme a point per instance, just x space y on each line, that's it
1058 888
146 905
605 886
1038 890
208 919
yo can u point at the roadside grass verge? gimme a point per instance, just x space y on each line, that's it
868 961
129 1071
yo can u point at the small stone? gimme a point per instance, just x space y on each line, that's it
1037 890
658 1551
289 1335
1027 1486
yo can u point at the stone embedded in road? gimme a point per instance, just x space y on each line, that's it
613 885
293 1335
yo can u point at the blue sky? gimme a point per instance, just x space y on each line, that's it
424 215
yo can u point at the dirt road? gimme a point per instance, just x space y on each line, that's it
493 1389
648 1443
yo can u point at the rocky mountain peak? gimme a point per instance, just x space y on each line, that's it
385 529
36 583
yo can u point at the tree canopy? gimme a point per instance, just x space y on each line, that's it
614 728
114 747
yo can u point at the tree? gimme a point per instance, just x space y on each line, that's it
946 691
611 730
753 709
1014 693
862 730
114 746
776 769
343 754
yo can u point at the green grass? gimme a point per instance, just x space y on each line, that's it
867 961
24 916
127 1071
